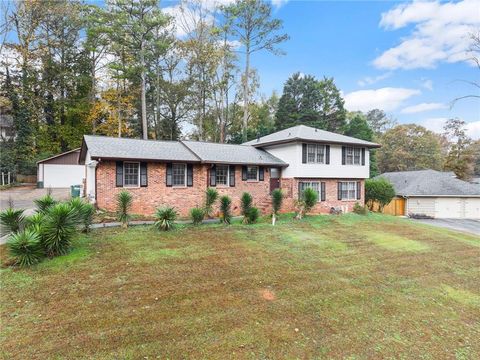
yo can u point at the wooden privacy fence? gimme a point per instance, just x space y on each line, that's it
395 207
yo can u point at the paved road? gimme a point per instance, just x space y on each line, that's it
23 196
466 225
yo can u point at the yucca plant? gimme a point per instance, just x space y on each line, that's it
309 198
277 199
251 216
211 196
83 212
245 205
35 222
165 218
58 229
25 247
197 214
45 203
12 220
225 208
124 203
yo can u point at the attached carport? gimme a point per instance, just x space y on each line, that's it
60 171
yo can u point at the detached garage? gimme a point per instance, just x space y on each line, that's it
60 171
436 194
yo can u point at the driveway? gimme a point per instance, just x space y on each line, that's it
466 225
23 196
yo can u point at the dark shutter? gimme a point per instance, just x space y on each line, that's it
143 174
339 184
344 155
327 154
359 190
322 191
244 173
189 174
261 175
300 191
213 175
232 175
119 174
304 153
363 156
168 179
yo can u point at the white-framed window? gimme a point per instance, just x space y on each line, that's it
315 185
349 190
131 174
222 175
315 154
353 155
179 174
252 173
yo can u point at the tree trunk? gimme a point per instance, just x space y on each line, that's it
143 93
245 92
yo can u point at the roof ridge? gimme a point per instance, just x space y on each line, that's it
190 150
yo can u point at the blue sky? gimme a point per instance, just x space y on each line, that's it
409 63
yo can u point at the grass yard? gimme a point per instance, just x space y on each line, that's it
348 287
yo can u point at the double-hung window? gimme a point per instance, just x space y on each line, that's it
315 154
317 186
222 175
252 173
348 190
353 155
179 172
131 174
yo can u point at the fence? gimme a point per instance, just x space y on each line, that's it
7 178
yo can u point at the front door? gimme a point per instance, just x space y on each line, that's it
274 178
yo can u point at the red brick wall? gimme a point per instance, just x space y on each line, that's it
147 199
290 189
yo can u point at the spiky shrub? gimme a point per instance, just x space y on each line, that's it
12 220
35 222
225 208
58 229
211 196
44 203
25 247
165 218
307 201
252 215
245 205
124 203
83 212
197 214
277 199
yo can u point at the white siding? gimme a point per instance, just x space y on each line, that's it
420 205
292 155
90 186
62 176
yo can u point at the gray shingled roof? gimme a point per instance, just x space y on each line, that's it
232 154
191 151
430 183
302 132
123 148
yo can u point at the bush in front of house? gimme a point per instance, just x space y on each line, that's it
166 217
44 203
211 196
12 220
197 214
277 199
25 247
58 229
359 209
308 199
124 203
378 191
83 212
226 209
251 216
246 205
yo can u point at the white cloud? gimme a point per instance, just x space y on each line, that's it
387 98
427 84
441 33
437 124
279 3
423 107
372 80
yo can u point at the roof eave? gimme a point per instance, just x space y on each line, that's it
297 139
56 156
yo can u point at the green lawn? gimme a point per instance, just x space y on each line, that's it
347 287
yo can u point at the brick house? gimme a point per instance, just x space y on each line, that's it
177 173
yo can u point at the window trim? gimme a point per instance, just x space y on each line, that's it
353 148
258 172
184 177
316 153
138 177
347 190
228 175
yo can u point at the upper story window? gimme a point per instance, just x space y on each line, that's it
179 174
315 154
222 175
353 155
131 174
252 173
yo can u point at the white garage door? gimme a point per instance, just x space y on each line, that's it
61 176
421 205
472 208
450 208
